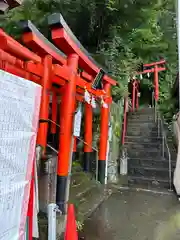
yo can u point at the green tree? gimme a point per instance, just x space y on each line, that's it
120 35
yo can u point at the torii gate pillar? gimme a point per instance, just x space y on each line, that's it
104 136
67 109
88 136
45 99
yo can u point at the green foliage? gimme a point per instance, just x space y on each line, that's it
120 34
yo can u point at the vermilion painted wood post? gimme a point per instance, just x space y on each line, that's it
74 149
88 136
30 212
54 112
156 95
103 136
66 129
45 99
75 139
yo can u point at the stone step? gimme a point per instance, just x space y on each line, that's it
145 125
78 190
150 162
143 111
140 139
139 123
148 153
142 128
148 182
141 117
152 172
141 133
90 201
146 146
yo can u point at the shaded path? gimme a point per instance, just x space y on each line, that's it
135 215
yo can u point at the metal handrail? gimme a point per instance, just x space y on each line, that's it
165 143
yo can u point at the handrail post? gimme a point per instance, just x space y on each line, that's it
158 122
125 120
155 111
164 141
163 145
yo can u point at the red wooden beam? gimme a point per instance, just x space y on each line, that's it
86 76
31 40
79 93
154 63
64 72
18 71
61 73
68 43
16 49
10 59
17 67
79 98
65 43
37 69
150 71
110 80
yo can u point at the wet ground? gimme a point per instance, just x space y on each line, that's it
135 215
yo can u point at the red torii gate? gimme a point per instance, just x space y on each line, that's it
58 74
155 68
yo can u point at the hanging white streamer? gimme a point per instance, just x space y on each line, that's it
93 102
77 122
87 97
141 77
103 103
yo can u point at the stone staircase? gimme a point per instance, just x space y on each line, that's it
146 166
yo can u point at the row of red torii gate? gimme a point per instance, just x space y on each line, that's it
66 70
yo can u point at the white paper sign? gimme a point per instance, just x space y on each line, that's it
77 122
19 115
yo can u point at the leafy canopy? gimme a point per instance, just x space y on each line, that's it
120 34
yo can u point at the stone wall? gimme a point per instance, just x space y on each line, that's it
116 120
